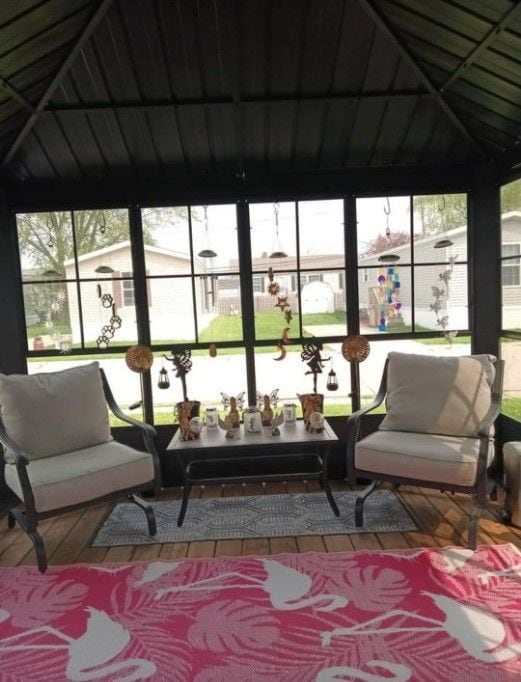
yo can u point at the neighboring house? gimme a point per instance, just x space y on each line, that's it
169 300
511 269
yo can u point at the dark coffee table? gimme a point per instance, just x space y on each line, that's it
294 455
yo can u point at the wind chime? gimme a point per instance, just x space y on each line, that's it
440 291
107 300
388 284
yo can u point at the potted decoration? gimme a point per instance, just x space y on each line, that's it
187 411
313 403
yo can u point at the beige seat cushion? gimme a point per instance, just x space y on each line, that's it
429 394
427 457
83 475
53 412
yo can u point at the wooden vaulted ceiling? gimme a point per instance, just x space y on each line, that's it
98 89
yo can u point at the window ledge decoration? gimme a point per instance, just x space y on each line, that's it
440 293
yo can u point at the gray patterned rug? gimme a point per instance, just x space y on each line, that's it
257 516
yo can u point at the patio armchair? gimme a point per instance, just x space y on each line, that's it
438 431
59 452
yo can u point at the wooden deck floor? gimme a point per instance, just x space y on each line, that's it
442 520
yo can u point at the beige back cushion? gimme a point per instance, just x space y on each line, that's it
427 394
54 412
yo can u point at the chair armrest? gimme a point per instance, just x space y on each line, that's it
118 412
489 419
20 457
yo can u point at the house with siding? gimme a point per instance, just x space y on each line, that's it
170 303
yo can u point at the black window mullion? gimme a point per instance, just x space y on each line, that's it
351 289
411 227
137 251
78 283
192 272
299 298
247 298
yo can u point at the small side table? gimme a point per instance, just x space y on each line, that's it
512 468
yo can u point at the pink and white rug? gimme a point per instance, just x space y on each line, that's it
429 615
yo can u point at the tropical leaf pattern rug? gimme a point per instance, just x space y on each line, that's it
424 615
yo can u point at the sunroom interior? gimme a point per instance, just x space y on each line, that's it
179 156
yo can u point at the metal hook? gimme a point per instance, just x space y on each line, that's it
387 211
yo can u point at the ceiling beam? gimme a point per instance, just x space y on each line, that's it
6 85
481 46
92 22
232 101
369 6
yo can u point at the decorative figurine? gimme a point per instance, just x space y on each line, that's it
185 417
232 422
186 409
311 404
311 355
252 420
267 412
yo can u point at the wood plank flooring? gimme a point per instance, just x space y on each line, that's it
442 520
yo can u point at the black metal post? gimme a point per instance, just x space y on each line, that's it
247 301
351 280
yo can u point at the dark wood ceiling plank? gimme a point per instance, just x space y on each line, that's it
383 24
6 86
37 46
483 45
42 23
101 8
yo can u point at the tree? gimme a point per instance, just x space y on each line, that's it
438 213
383 243
46 239
511 197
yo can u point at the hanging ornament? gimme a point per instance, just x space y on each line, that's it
389 305
139 358
212 350
163 381
387 211
332 381
50 236
206 251
102 224
278 251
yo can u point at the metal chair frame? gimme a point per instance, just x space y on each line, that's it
26 514
479 491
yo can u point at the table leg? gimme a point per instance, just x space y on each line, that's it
184 503
324 481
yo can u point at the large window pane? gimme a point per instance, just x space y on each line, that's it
167 240
171 309
511 354
383 229
323 301
510 250
206 380
440 228
48 314
214 231
440 297
46 244
218 308
321 233
105 319
274 313
273 233
288 377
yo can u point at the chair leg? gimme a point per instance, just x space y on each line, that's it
10 519
39 547
149 512
475 515
184 504
359 504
